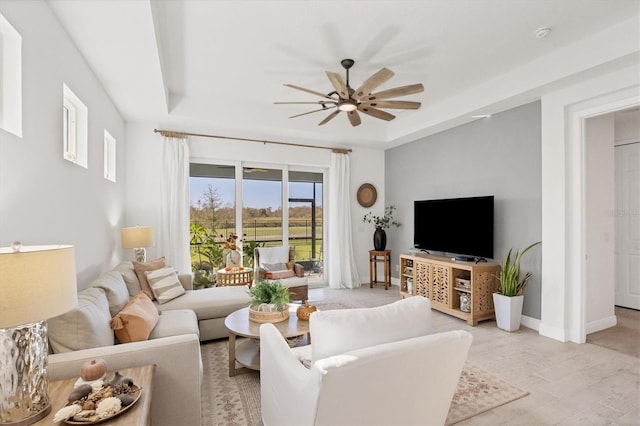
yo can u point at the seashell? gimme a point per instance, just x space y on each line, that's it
80 392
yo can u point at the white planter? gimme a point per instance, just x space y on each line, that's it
508 311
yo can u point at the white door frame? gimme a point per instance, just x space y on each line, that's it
575 304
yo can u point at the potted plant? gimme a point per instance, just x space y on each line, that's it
508 300
269 302
381 223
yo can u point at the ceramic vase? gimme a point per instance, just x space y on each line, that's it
234 259
508 311
379 239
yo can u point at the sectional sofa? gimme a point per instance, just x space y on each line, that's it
173 344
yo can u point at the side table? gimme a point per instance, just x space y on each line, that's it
375 257
139 414
236 276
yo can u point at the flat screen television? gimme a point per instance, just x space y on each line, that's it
462 227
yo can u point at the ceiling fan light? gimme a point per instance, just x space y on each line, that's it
347 106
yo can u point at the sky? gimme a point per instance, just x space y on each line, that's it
257 194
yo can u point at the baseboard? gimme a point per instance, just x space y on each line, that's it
529 322
601 324
552 332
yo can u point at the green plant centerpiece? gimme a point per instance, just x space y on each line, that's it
509 298
269 301
381 223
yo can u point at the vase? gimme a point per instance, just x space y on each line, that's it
379 239
508 311
234 259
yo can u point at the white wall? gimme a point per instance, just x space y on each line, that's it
43 198
600 226
563 287
144 168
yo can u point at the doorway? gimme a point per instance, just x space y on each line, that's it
613 179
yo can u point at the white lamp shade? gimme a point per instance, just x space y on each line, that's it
36 283
137 237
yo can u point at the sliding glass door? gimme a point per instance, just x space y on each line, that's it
278 206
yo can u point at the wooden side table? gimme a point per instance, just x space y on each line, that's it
375 257
235 277
139 414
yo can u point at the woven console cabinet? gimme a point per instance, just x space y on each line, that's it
442 280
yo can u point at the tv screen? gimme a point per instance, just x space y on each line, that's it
458 226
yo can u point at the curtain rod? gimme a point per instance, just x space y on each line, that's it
172 134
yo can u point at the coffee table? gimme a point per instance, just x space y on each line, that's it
247 351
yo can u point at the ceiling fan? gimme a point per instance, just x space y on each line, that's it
346 99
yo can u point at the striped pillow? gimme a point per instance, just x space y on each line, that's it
164 284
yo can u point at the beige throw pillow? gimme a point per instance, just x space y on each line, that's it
165 284
141 268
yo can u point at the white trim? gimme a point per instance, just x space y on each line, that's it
529 322
601 324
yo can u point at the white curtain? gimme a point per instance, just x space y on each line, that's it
174 213
342 267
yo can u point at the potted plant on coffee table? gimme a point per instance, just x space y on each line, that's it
509 299
269 302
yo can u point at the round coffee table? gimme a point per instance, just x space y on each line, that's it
247 351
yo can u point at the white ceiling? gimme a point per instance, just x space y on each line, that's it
217 66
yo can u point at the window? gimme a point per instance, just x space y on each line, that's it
109 157
75 118
10 78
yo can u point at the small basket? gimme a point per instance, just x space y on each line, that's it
462 283
268 316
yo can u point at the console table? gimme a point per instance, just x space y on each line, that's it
375 257
443 280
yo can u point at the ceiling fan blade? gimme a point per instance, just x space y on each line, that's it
329 117
313 92
310 112
372 82
303 103
397 92
338 84
354 118
392 104
377 113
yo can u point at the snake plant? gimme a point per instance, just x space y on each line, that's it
511 284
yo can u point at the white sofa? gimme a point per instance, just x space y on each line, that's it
173 346
376 366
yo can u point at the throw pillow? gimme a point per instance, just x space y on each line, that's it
125 268
141 268
135 322
116 290
84 327
165 284
277 275
274 266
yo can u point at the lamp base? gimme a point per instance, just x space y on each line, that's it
24 378
140 254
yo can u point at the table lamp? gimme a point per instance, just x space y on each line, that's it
36 283
137 238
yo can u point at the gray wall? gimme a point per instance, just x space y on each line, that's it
45 199
499 156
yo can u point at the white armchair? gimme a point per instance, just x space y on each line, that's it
375 366
268 258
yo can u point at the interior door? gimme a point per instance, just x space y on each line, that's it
627 215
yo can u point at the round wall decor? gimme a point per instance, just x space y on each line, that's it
367 195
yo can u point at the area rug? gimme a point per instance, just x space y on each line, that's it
235 401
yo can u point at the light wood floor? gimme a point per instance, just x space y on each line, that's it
569 384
